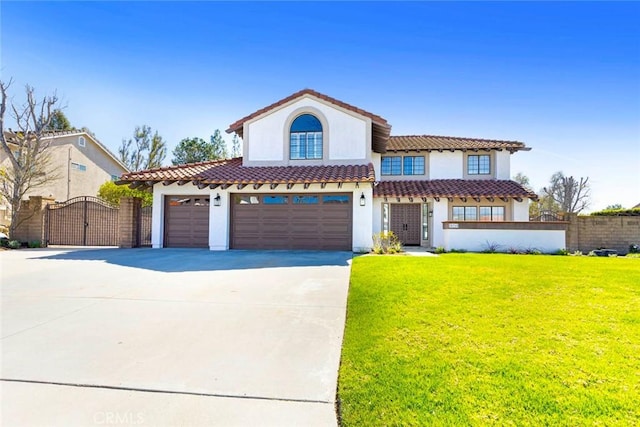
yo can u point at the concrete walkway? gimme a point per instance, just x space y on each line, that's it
171 337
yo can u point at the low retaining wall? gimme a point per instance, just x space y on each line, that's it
587 233
477 236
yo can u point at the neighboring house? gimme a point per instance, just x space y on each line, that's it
318 173
79 163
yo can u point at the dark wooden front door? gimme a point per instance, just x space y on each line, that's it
405 223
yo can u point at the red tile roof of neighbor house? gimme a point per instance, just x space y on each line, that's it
231 171
441 143
452 188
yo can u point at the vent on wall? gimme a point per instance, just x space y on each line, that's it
81 141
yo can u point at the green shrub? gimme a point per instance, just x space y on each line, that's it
386 243
617 212
457 251
35 244
634 249
14 244
563 252
112 193
440 250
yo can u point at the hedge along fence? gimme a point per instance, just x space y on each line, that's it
617 212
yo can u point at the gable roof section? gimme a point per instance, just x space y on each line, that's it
380 128
448 188
451 143
65 133
230 171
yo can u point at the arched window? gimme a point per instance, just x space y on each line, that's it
305 140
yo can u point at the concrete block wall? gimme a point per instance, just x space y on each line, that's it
586 233
129 222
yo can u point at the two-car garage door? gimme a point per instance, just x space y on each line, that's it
291 221
265 221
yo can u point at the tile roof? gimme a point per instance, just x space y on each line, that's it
234 127
452 188
231 171
434 142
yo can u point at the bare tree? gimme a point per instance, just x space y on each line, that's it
146 150
26 148
571 195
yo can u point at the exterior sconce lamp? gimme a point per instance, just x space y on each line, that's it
216 200
363 200
430 214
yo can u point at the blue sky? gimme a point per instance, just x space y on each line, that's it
562 77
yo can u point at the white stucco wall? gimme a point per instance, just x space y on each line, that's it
547 241
520 210
440 214
346 134
445 165
503 164
219 216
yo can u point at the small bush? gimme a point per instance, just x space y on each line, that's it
576 253
490 247
457 251
386 243
634 249
592 253
440 250
14 244
513 250
35 244
563 252
532 251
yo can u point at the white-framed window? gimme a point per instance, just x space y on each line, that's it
478 164
82 142
464 213
305 138
78 167
385 218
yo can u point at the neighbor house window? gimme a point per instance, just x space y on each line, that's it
305 138
491 213
479 164
81 141
391 165
413 165
78 167
465 213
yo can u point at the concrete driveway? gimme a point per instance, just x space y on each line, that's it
171 337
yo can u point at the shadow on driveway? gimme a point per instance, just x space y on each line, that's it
180 260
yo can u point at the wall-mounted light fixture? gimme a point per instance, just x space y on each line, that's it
216 200
363 200
430 214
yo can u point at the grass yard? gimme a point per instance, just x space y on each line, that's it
475 339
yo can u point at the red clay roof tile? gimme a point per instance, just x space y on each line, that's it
434 142
452 188
232 172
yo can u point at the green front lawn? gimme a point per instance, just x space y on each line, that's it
475 339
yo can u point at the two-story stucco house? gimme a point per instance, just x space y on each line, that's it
80 164
318 173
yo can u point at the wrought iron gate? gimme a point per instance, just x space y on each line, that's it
82 221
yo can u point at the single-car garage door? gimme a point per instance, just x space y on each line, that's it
186 222
291 221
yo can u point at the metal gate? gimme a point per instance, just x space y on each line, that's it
82 221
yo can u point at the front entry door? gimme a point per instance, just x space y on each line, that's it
405 222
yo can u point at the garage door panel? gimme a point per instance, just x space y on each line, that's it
304 222
186 221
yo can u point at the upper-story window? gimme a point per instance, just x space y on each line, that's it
305 138
413 165
407 165
391 165
479 164
82 142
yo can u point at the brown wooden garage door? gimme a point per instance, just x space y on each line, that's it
186 222
291 221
